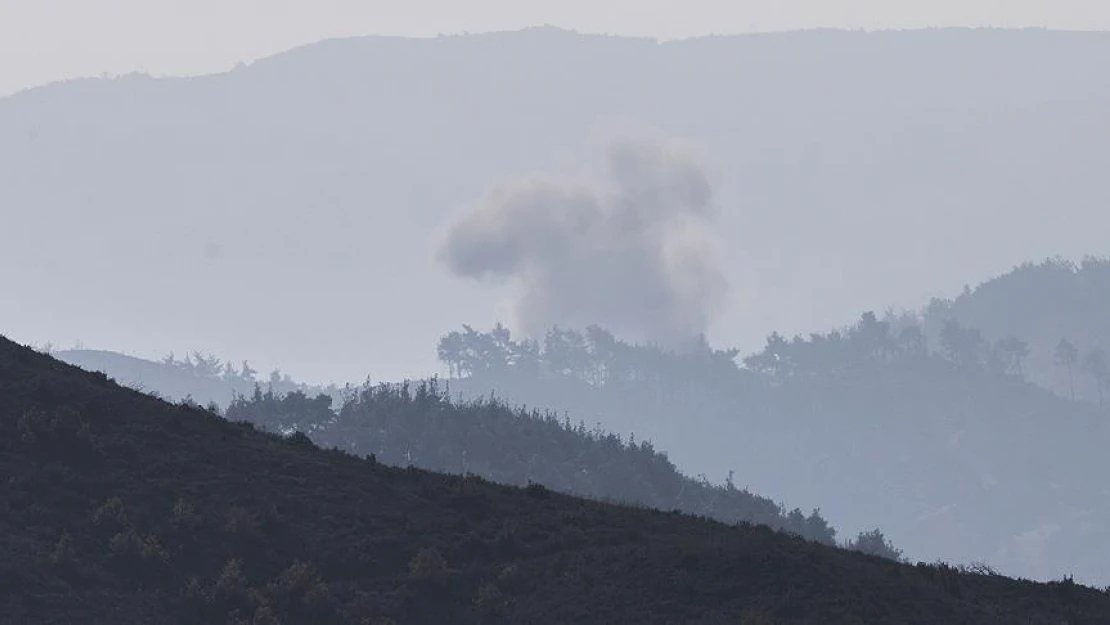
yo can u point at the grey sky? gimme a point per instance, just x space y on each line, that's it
46 40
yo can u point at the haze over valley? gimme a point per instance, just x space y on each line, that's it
850 171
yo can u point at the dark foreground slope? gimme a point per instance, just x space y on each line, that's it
119 508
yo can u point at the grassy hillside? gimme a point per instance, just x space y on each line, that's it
119 508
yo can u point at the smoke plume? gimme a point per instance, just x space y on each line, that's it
634 255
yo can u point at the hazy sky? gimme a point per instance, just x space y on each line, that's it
46 40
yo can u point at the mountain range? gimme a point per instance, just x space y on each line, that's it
851 171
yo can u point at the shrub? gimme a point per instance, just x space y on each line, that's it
873 543
126 544
428 563
508 573
152 549
111 513
231 583
64 551
301 582
185 515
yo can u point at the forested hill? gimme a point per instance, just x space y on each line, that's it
945 447
1059 308
118 507
419 426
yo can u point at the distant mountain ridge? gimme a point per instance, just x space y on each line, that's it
845 161
197 378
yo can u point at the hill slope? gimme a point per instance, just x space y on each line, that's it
845 160
954 457
121 508
419 425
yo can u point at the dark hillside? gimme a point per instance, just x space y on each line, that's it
119 508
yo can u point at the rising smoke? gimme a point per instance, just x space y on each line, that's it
634 255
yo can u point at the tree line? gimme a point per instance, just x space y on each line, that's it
419 425
596 357
1059 309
